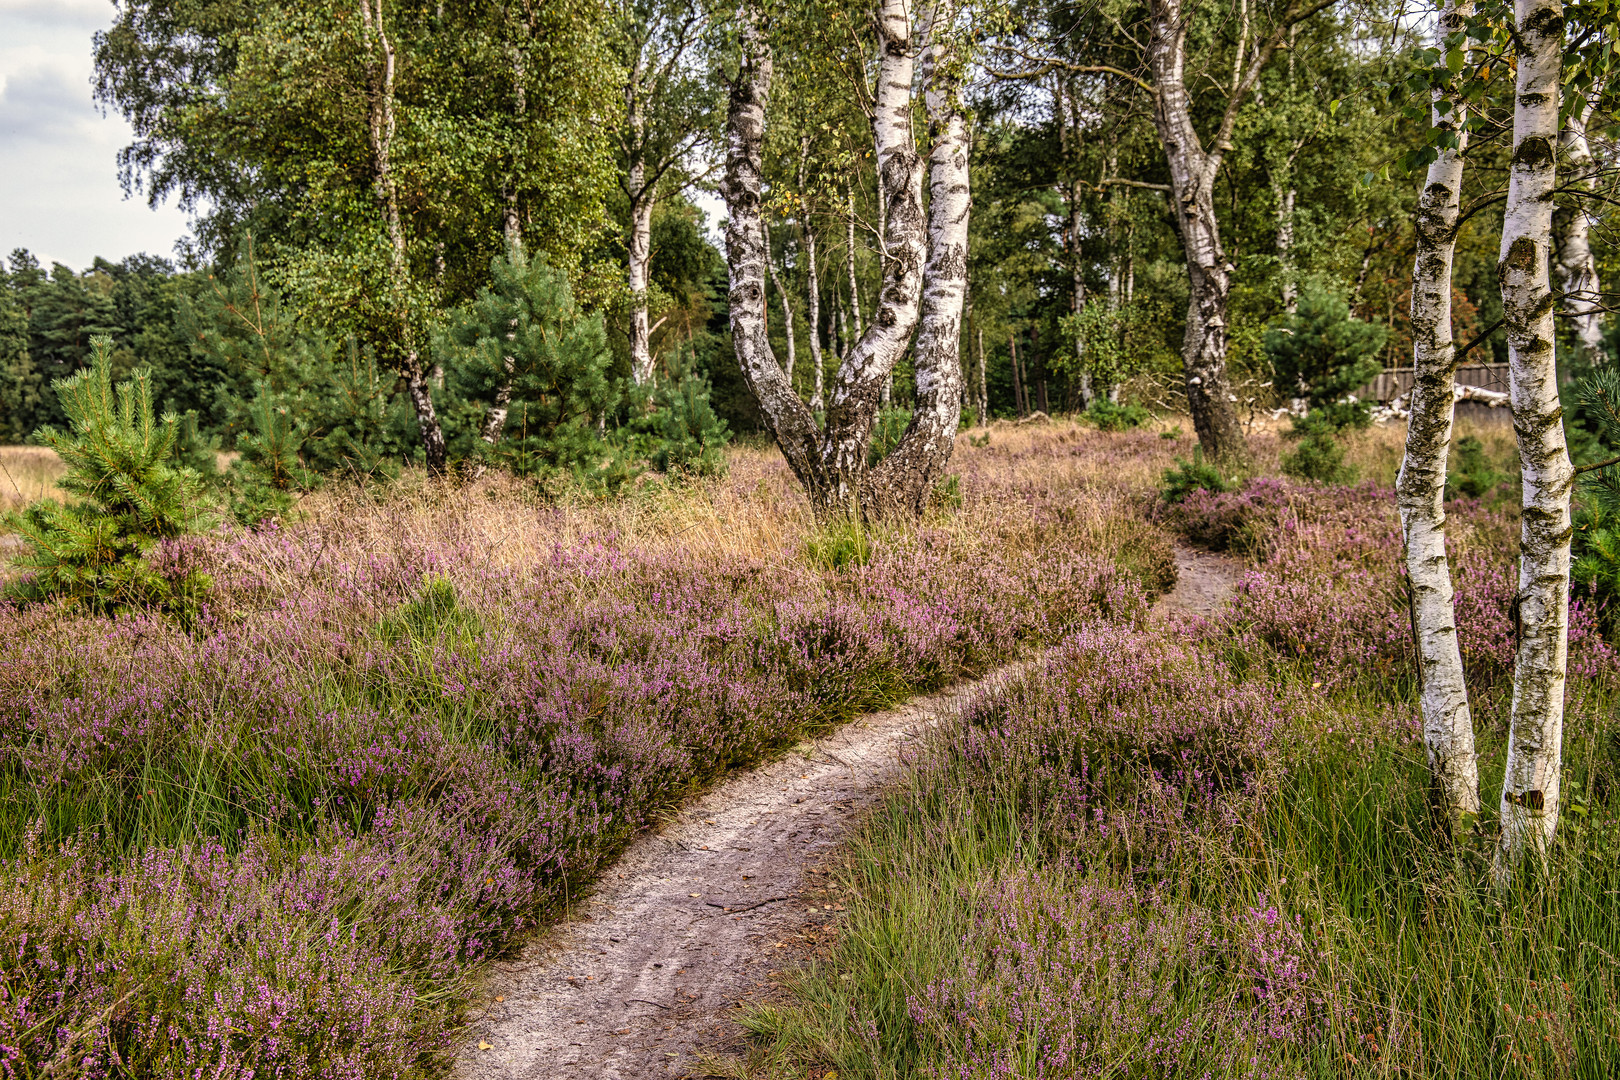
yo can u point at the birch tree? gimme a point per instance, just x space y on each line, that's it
1530 788
830 462
905 478
671 112
1577 267
1448 731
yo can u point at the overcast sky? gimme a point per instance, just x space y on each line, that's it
59 191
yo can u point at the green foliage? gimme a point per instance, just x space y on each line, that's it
1322 353
887 431
1320 453
525 329
1472 474
839 544
20 380
1112 416
678 431
119 466
1190 476
434 613
1595 545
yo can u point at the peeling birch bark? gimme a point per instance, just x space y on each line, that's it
638 262
1580 273
1448 727
904 479
1530 788
1192 181
382 126
832 464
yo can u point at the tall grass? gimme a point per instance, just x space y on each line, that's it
408 727
1211 852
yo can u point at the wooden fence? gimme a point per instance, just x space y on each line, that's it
1392 383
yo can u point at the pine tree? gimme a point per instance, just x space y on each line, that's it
130 496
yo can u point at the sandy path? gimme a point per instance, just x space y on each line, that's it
687 925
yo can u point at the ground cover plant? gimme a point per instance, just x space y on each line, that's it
1209 848
281 837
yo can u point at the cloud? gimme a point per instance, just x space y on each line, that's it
59 190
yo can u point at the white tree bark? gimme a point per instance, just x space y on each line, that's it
905 478
1192 181
787 306
1530 787
382 124
1448 728
849 252
638 262
807 234
1580 274
831 464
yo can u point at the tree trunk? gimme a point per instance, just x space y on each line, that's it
984 386
1580 275
1448 729
830 465
904 479
382 124
812 279
1192 182
854 286
512 231
1020 401
1530 787
637 263
787 307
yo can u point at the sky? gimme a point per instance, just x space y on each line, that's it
59 190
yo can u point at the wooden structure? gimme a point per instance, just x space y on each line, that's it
1392 383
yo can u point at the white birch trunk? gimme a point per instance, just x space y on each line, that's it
1448 729
831 464
1580 274
905 478
787 307
638 261
812 280
849 247
382 125
1530 787
1192 180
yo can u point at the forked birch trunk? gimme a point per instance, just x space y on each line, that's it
1530 787
382 126
1448 728
1580 274
831 464
904 479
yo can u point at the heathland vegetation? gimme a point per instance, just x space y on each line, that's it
458 504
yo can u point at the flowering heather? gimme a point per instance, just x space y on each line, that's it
278 840
1329 587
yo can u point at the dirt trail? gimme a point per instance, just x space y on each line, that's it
687 925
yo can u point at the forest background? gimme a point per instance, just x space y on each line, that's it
354 179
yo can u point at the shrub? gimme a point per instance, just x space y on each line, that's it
887 432
1190 476
1111 416
1320 454
1472 475
130 497
675 429
1322 353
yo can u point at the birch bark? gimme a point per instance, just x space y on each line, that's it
904 479
382 123
1448 729
638 259
1530 788
1192 181
807 235
831 464
1580 274
787 306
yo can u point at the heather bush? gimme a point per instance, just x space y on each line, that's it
281 840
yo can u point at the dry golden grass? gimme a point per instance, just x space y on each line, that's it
27 474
